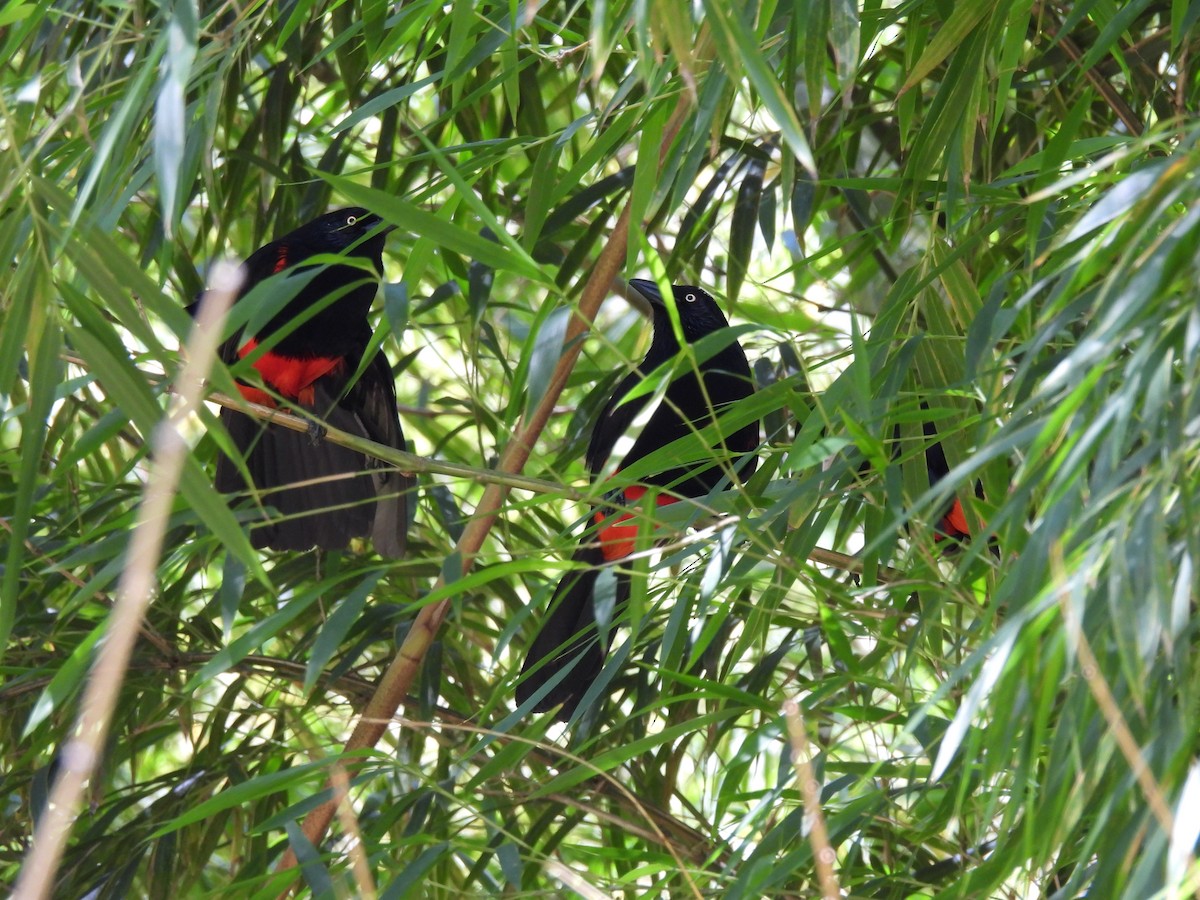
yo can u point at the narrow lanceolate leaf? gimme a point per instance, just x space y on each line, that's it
44 372
739 51
742 228
844 33
250 789
442 232
963 20
170 110
334 631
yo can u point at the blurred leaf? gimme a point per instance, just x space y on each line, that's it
253 788
336 627
740 52
741 230
948 38
419 222
170 110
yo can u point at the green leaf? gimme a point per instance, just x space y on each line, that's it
253 788
740 52
335 629
963 20
442 232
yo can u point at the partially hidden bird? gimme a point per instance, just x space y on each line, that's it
953 525
695 397
307 355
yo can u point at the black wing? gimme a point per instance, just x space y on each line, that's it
614 421
373 401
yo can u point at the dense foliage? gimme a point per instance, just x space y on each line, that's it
980 215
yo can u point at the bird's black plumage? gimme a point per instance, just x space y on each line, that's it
307 355
694 396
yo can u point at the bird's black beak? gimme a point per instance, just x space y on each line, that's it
649 290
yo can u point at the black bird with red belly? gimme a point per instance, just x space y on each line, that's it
693 399
307 355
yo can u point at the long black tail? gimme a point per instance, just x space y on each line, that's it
569 637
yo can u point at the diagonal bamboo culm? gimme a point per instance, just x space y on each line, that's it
400 675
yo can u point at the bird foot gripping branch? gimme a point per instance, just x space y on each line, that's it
316 432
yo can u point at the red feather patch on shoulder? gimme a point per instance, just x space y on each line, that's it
281 258
618 533
291 376
954 523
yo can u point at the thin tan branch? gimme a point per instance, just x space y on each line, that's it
810 790
1095 76
1111 710
398 679
137 585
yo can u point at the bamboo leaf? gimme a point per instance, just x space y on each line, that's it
963 20
739 52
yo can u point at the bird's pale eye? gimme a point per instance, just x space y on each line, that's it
690 298
350 220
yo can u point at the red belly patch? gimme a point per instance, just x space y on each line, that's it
291 376
616 538
954 523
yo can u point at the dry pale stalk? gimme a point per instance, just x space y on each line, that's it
168 451
810 790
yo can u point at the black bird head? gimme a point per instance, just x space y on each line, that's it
338 230
698 311
353 231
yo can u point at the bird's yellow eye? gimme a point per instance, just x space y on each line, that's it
690 298
350 220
